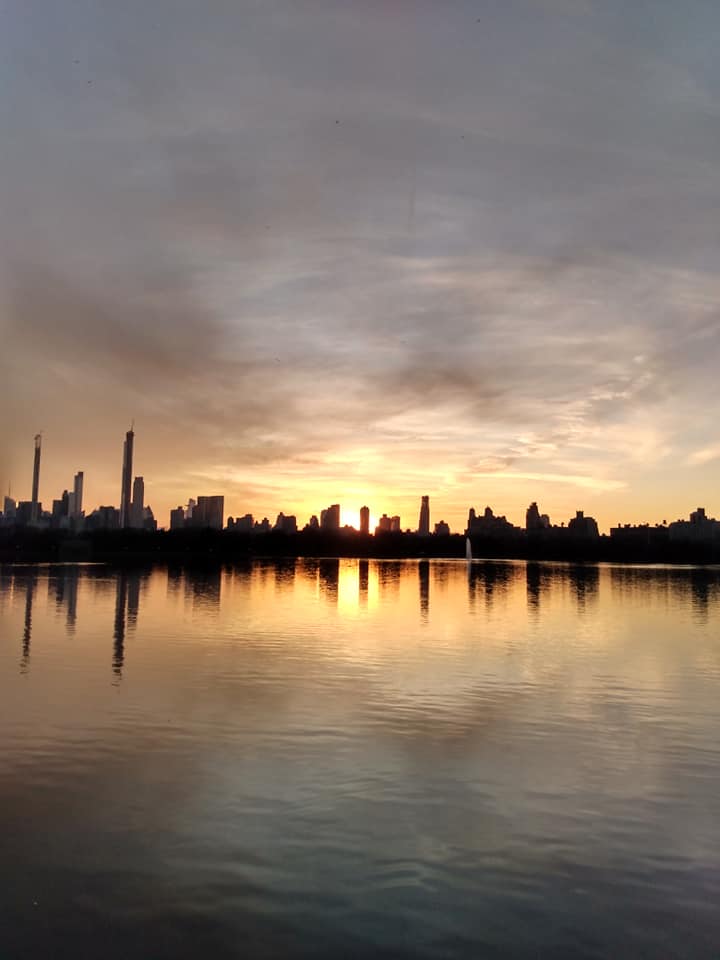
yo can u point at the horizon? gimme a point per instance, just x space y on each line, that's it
349 515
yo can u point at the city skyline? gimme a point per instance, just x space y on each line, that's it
365 252
208 510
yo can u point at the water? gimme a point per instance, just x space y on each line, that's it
341 758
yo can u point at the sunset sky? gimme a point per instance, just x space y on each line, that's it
358 251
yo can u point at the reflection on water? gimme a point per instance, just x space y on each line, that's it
363 582
399 758
424 581
30 583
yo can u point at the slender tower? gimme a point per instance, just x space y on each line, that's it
78 492
125 491
35 506
424 522
365 520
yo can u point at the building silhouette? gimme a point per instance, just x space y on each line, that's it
699 529
125 501
365 520
442 529
242 524
34 502
104 518
383 524
209 513
582 526
285 524
488 525
534 520
424 521
177 518
330 518
76 497
137 506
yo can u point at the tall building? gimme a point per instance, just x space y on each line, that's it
532 517
395 524
148 519
534 520
138 503
365 520
242 524
209 512
125 501
424 523
330 518
582 526
384 524
9 508
35 507
77 494
177 518
285 524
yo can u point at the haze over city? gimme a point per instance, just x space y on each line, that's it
358 253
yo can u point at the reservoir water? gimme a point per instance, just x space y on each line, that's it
323 758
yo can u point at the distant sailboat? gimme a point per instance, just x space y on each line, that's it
468 549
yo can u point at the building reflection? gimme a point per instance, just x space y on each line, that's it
174 581
538 577
6 586
30 584
441 575
703 586
329 579
119 626
389 573
56 586
127 605
71 593
284 575
306 570
363 582
62 591
133 598
424 585
202 587
584 582
485 580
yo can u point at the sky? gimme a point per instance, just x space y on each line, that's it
359 251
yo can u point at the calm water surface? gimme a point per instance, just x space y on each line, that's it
341 758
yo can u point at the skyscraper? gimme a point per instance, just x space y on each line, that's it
78 493
209 512
365 520
138 503
424 523
125 501
177 518
330 518
34 505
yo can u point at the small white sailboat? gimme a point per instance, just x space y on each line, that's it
468 549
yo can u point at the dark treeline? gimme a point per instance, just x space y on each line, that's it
135 546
